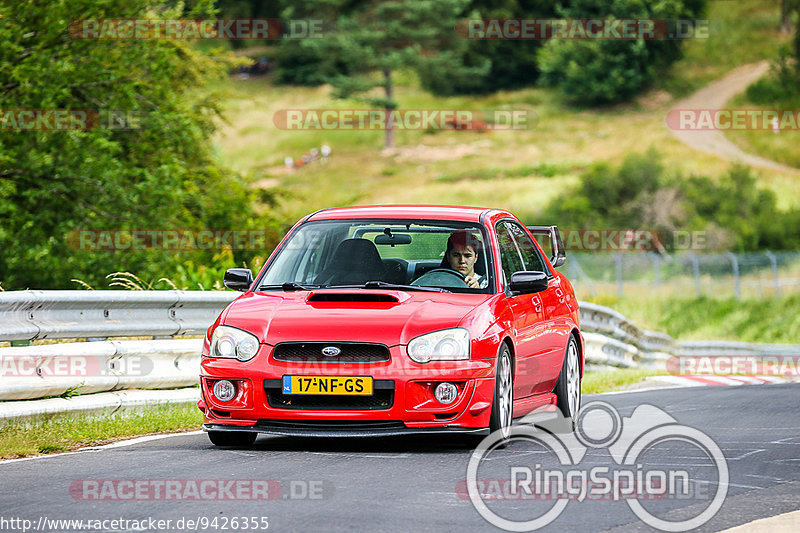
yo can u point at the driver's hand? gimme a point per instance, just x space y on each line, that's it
472 282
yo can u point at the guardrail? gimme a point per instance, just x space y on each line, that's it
88 375
32 315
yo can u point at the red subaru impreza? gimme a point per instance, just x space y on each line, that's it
390 320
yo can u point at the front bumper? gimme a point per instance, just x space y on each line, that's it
298 429
412 409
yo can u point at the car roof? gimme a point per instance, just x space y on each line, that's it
429 212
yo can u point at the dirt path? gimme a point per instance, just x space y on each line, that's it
714 96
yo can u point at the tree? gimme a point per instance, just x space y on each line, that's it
512 63
161 173
375 38
604 71
786 15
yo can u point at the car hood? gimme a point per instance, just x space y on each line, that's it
381 316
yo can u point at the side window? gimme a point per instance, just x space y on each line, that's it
510 259
530 255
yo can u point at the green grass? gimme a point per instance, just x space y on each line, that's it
66 432
740 32
772 320
781 147
614 380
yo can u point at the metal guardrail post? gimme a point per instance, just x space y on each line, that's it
774 263
736 281
696 272
656 267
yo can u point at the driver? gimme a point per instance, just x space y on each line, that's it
463 250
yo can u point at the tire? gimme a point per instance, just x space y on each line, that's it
503 401
568 389
232 438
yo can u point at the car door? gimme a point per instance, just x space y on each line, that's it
527 318
553 327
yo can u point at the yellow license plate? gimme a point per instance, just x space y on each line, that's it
339 385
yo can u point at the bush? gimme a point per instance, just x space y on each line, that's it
734 212
591 72
162 174
781 88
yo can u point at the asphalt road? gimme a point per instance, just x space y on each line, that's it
410 483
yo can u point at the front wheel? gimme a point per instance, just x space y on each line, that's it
503 402
568 388
232 438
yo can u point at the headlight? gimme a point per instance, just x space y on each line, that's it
445 345
233 343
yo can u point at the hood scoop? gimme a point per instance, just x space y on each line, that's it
352 297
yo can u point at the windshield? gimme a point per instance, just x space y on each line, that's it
415 254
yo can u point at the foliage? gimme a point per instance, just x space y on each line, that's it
781 88
598 71
159 175
511 63
639 194
374 39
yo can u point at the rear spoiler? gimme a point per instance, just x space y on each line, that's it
559 253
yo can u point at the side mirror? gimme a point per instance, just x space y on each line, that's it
528 282
238 279
556 244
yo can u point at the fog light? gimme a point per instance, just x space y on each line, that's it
446 393
224 390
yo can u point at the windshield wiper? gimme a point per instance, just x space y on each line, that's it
290 286
398 287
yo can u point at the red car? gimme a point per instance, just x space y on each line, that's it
389 320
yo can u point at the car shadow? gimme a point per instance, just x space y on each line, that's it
455 444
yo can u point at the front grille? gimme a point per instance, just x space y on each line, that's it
351 352
382 398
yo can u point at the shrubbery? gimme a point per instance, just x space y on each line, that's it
591 72
781 88
640 194
586 72
161 174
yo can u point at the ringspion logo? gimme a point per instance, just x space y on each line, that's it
551 470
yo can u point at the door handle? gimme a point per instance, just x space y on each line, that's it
560 295
537 303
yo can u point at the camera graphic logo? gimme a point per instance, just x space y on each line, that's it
647 460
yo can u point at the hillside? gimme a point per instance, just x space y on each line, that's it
518 170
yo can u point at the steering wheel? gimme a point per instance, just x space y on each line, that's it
441 277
